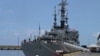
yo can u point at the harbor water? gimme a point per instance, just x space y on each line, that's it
11 53
20 53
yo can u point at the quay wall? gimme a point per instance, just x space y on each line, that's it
9 47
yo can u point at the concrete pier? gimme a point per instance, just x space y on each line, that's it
82 54
9 47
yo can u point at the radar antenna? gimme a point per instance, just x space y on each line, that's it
63 19
55 19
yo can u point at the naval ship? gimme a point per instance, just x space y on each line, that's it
59 39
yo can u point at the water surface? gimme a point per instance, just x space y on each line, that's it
11 53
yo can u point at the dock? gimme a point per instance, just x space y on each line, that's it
82 54
10 47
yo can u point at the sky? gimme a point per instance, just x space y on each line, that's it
20 18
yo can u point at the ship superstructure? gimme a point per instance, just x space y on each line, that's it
98 40
51 42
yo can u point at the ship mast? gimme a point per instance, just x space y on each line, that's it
98 37
63 18
55 19
39 30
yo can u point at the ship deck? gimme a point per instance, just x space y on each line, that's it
82 54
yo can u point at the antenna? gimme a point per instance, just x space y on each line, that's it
55 19
30 37
63 19
66 18
39 30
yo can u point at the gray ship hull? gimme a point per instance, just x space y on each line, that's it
43 48
40 48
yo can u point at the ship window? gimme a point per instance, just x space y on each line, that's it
67 38
77 37
53 41
45 42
